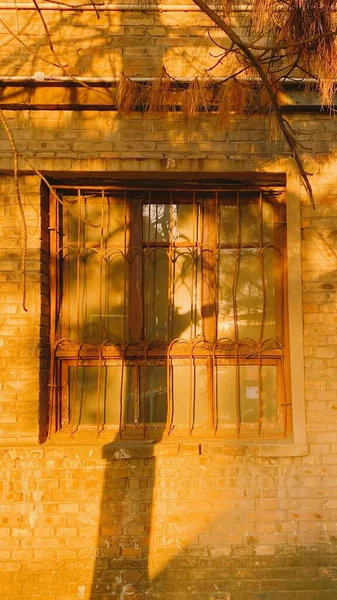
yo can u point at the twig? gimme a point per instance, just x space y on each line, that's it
254 61
76 6
294 45
95 9
45 27
55 64
18 39
22 214
52 191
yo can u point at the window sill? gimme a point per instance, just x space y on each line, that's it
128 449
275 448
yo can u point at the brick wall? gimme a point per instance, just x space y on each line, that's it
76 525
99 520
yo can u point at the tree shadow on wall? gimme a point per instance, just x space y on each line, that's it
126 505
121 567
216 559
137 513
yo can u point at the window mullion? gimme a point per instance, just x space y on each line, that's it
134 223
209 254
54 305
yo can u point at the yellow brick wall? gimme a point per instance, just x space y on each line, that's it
93 520
137 43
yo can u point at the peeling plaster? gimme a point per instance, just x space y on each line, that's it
120 454
32 517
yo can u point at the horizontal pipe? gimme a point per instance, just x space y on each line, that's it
48 79
112 7
103 7
287 108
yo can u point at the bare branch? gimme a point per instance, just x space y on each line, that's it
45 27
95 9
254 61
19 201
295 45
55 64
76 6
18 39
217 43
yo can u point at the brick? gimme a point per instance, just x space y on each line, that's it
222 523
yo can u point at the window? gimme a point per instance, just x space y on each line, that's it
169 312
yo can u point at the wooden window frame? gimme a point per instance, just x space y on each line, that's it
61 359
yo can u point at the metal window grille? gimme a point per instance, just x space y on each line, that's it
168 312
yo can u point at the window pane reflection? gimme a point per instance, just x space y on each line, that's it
117 390
241 399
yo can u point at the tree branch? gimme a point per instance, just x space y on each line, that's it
19 201
254 61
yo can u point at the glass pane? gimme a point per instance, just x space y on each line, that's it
82 292
249 295
226 394
90 290
91 210
272 273
155 393
250 223
268 222
226 269
186 294
85 405
164 223
115 315
87 232
97 300
94 270
156 293
249 393
69 312
157 222
190 397
269 393
114 223
130 401
96 213
186 223
109 394
85 401
228 224
181 395
255 298
200 395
